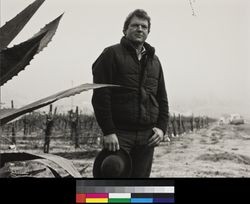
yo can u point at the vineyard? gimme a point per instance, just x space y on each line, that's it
74 136
77 129
212 150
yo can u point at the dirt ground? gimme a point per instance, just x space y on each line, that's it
218 151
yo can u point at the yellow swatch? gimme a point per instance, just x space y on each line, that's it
96 200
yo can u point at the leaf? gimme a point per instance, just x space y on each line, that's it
5 171
15 59
23 156
11 29
50 30
12 114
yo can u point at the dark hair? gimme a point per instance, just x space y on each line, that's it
140 13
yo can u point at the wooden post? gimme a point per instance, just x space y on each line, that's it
55 110
29 124
13 134
65 123
24 127
12 104
183 126
169 132
197 123
200 122
48 130
54 118
173 125
76 128
179 124
71 123
192 123
206 121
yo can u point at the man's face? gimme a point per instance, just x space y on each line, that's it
137 30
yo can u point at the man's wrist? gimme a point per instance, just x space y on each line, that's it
159 130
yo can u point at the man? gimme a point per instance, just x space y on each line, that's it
135 116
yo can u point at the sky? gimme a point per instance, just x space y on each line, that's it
204 51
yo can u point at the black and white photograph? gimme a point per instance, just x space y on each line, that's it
124 89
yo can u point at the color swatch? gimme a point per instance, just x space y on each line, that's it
123 192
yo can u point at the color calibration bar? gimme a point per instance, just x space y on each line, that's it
125 198
125 191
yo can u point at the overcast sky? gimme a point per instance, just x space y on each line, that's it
205 56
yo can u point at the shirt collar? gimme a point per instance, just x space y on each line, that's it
141 53
149 49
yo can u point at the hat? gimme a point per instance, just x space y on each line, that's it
110 164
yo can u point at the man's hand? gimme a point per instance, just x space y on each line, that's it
156 139
110 142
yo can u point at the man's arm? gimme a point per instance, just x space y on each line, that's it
101 99
163 104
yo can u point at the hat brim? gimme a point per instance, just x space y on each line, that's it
104 153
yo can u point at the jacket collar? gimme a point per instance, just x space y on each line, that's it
128 44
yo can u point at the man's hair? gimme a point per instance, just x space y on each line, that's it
139 13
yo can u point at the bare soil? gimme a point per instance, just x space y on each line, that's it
217 151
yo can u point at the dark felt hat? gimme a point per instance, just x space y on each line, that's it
110 164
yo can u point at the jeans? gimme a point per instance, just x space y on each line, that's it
135 143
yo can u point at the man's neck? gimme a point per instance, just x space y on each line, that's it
138 47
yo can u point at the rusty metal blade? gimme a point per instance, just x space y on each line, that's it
15 59
12 114
11 29
24 156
